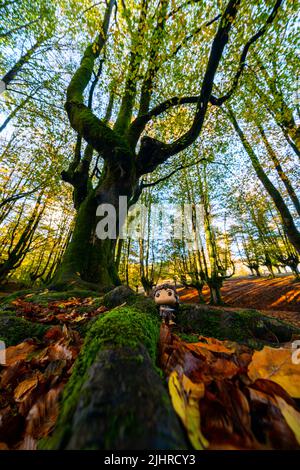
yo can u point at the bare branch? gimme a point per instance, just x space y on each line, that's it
164 178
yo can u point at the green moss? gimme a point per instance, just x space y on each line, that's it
245 326
14 330
189 338
7 299
44 297
123 326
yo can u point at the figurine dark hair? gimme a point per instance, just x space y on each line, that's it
164 286
166 298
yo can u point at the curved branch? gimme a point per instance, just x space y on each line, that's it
81 118
219 101
153 152
164 178
16 197
140 122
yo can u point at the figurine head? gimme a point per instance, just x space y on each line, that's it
165 294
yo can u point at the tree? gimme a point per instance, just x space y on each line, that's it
127 148
286 216
15 246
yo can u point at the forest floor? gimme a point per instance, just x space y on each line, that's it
278 297
222 363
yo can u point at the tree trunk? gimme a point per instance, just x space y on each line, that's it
89 258
215 293
257 271
286 217
115 398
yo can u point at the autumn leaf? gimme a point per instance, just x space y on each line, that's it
43 415
53 333
214 345
19 352
24 387
185 397
291 416
276 365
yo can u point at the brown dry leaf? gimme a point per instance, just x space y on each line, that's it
49 318
19 352
291 416
206 366
3 446
214 345
29 443
12 374
185 397
42 417
101 309
225 415
276 365
59 351
27 308
64 317
273 429
53 334
272 388
24 387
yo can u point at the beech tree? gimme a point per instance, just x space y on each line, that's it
127 146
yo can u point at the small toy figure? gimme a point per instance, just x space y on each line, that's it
166 298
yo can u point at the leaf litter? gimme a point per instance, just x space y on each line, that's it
227 395
230 397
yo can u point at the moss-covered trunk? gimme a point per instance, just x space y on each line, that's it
116 398
215 293
89 258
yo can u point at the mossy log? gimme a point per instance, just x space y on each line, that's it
246 326
116 398
14 330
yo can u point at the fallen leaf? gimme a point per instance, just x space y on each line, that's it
185 397
214 345
12 374
24 387
101 309
80 318
59 351
271 428
53 334
19 352
276 365
42 417
291 416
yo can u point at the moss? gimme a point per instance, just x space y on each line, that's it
44 296
189 338
7 313
245 326
7 299
120 328
14 330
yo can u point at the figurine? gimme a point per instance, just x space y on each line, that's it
166 298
